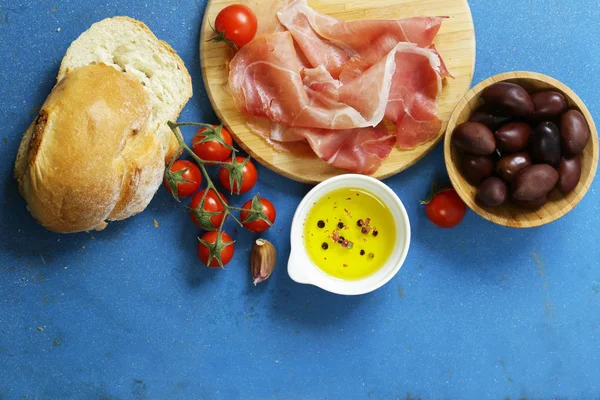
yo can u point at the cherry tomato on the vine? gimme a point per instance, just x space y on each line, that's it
185 176
237 23
255 214
242 170
209 144
215 249
201 216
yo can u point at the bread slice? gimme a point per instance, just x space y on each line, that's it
130 46
97 150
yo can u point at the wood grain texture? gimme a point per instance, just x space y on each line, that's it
455 42
509 215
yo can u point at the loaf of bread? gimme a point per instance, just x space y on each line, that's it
98 148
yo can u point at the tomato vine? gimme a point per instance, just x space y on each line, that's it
235 169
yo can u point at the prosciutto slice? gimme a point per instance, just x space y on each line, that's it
266 14
329 84
411 97
362 44
330 42
266 82
360 149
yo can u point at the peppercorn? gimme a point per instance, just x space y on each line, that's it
362 252
324 246
321 224
360 222
375 232
365 229
340 225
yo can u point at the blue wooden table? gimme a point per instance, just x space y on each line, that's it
479 311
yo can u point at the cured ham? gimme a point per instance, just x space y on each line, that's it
266 82
264 128
444 73
411 92
360 149
329 84
412 99
266 14
325 40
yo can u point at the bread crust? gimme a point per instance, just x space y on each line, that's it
89 139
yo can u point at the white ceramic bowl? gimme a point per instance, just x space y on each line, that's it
301 268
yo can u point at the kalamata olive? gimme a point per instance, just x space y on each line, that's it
507 167
512 137
574 131
548 104
569 173
477 168
492 192
510 98
534 181
491 118
545 144
474 138
532 204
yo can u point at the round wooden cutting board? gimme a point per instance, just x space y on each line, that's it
455 42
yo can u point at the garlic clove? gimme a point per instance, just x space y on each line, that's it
263 257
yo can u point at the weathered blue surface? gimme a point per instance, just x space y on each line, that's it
477 312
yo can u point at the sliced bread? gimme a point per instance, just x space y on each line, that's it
97 150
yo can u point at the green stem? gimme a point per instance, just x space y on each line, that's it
223 221
235 218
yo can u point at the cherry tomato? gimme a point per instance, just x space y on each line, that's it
211 204
248 175
208 147
237 23
208 248
256 212
445 209
191 173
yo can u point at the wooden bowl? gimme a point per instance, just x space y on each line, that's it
509 215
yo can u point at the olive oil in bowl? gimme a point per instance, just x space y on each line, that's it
349 233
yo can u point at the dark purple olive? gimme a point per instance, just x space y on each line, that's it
489 117
545 144
534 181
477 168
548 104
569 173
492 192
507 167
531 204
513 137
575 132
474 138
512 99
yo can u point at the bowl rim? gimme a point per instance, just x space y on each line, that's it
313 275
456 176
